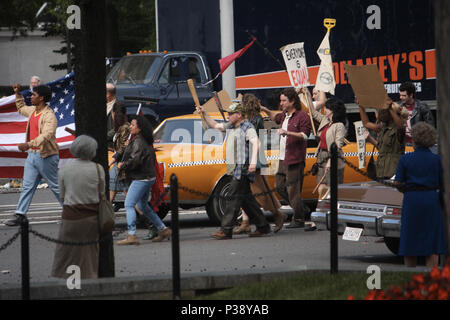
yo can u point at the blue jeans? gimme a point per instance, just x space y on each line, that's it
139 193
35 169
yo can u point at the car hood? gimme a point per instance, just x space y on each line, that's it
180 153
370 192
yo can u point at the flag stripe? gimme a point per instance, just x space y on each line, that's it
12 117
13 127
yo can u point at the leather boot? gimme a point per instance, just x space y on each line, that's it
131 239
243 228
279 219
220 235
163 234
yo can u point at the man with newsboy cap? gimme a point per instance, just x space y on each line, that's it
242 154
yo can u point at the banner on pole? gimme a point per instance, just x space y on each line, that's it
325 78
294 58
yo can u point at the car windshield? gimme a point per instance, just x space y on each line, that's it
188 131
134 70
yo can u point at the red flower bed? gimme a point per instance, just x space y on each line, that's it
432 286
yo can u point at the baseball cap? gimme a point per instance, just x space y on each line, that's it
235 107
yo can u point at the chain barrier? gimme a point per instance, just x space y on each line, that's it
69 243
10 241
192 191
276 189
61 242
387 183
259 194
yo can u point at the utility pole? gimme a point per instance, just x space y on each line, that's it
227 44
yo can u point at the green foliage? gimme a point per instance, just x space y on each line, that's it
19 15
135 22
137 26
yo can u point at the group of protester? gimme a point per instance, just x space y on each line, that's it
76 185
409 122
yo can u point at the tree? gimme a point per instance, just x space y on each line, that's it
90 92
130 25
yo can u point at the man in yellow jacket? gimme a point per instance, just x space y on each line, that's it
43 154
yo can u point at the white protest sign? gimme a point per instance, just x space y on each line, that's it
294 58
361 141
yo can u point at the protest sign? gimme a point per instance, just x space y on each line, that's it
361 141
367 85
294 58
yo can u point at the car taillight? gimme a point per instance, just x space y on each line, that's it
395 211
323 205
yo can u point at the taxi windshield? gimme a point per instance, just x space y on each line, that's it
134 69
188 131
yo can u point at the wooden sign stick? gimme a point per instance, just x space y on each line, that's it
191 86
320 182
310 107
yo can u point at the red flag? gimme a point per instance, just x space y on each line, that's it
226 61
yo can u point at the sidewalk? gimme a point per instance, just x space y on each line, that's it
148 287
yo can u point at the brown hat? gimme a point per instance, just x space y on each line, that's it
235 107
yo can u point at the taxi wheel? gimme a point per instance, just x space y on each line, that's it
393 244
215 207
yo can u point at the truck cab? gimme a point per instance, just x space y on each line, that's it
158 81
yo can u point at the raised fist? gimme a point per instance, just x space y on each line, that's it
16 88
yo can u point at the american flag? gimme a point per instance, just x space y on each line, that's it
13 126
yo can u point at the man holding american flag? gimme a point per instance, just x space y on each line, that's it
43 152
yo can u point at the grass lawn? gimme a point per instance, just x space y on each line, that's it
311 285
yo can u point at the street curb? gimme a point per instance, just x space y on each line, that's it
143 287
11 190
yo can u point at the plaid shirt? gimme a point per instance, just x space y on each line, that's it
241 149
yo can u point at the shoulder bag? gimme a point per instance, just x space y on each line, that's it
105 209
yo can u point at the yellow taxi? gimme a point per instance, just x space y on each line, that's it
197 157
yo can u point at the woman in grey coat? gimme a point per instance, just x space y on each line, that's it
79 188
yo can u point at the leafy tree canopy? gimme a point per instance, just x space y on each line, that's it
133 22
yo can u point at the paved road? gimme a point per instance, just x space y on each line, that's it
200 254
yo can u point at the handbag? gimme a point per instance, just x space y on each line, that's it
105 208
371 168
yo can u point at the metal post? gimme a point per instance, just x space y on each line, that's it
175 237
25 259
227 44
334 213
